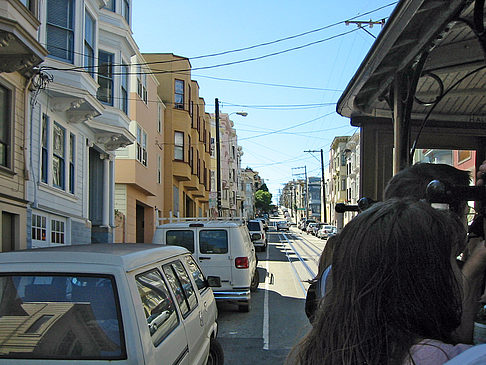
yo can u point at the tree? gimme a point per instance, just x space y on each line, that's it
263 200
263 187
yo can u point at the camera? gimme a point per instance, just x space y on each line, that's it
363 203
453 195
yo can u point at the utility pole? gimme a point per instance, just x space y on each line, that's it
218 157
323 185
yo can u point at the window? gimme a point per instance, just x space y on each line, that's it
80 301
105 77
179 94
44 147
60 29
5 126
190 102
197 274
179 146
126 10
213 241
57 231
58 158
124 89
180 238
141 146
142 83
343 183
89 37
39 227
72 158
159 117
157 304
159 169
213 150
182 287
343 158
110 5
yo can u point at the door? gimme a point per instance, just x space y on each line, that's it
191 311
164 339
140 223
214 255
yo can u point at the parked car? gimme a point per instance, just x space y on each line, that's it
316 228
107 303
304 223
310 227
282 226
224 251
326 231
264 221
258 234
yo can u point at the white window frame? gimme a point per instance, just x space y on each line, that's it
159 169
141 145
70 36
52 223
67 160
178 147
88 47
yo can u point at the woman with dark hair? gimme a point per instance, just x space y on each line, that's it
396 290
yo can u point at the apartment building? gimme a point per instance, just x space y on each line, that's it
20 52
186 138
139 189
249 179
80 118
337 185
352 152
314 187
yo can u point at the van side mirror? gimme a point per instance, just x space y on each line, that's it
256 236
214 281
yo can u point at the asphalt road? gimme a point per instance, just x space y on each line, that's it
277 320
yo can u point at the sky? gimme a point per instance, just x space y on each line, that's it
289 88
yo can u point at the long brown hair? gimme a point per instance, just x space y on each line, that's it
392 285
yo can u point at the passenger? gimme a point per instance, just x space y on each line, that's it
396 293
320 283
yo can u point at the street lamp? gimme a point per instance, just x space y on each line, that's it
243 114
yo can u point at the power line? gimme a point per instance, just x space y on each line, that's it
252 46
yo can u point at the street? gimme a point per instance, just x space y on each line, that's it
277 320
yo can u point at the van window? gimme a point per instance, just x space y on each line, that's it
254 226
213 241
157 304
197 274
181 285
60 316
180 238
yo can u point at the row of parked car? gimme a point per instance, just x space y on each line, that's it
318 229
128 303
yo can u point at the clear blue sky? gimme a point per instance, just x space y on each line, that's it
193 28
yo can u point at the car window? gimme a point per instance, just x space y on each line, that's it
254 226
197 274
180 238
157 304
61 316
181 286
213 241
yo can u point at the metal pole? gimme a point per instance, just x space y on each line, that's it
218 157
323 188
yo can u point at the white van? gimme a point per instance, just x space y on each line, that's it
105 304
224 251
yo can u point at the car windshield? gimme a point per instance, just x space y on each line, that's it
60 316
254 226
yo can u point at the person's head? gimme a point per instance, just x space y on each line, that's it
412 182
394 282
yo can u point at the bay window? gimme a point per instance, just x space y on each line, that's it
60 29
89 48
179 94
179 146
5 127
58 158
105 77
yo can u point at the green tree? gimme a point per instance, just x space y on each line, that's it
263 187
263 200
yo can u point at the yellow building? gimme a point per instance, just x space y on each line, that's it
139 188
186 133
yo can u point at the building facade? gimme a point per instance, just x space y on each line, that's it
314 186
352 152
79 119
337 184
139 167
186 143
20 52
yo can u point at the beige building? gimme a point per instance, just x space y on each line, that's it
186 143
336 189
139 167
19 53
